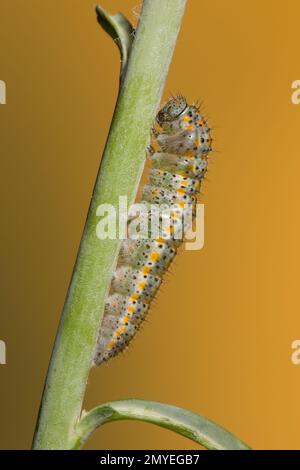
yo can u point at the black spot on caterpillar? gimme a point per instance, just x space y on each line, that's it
184 142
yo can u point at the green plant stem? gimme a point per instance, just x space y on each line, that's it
188 424
119 174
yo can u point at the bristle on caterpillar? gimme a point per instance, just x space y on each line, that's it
178 166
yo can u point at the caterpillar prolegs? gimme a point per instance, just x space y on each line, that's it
178 166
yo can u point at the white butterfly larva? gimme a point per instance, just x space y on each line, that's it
175 177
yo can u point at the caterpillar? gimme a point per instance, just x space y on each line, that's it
178 166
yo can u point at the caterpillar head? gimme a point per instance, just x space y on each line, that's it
171 111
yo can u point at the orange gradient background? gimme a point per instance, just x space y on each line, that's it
218 340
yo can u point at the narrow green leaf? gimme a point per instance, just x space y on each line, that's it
121 31
184 422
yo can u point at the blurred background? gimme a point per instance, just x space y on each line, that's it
218 340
